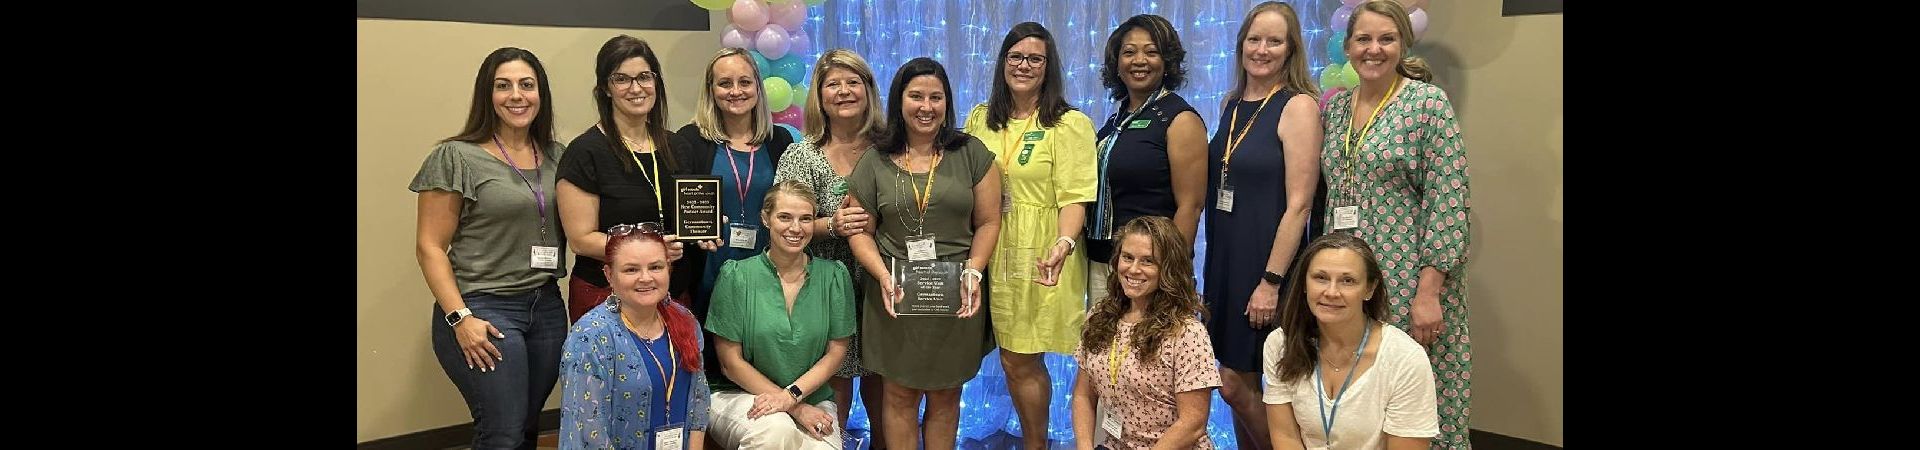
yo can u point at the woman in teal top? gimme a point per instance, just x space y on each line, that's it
781 321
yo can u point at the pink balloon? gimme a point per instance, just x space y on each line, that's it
1419 19
772 41
1340 17
1327 97
790 116
749 15
733 37
797 42
789 13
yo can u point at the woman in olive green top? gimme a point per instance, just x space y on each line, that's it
781 322
926 183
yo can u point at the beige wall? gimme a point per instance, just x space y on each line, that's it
415 82
1504 76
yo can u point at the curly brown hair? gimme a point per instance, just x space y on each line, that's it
1167 307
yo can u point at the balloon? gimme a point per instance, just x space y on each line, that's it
1330 77
760 62
1337 47
1348 77
772 41
791 130
791 116
733 37
788 13
800 98
749 15
791 68
1419 19
1339 17
797 41
779 93
712 5
1327 98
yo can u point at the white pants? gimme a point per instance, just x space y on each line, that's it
732 429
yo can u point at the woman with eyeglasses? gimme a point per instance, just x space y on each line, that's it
623 170
632 364
489 246
781 321
842 119
1045 148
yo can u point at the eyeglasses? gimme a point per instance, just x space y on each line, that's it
622 80
1014 59
625 229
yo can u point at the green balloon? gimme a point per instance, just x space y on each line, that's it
779 93
1348 78
1330 77
713 5
799 96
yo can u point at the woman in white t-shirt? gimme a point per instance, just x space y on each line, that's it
1337 378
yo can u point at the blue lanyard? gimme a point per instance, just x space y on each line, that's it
1102 217
1326 419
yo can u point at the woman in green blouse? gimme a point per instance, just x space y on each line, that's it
781 321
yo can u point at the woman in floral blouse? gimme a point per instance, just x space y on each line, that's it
631 366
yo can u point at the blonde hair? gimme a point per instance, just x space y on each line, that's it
707 113
1410 66
1293 75
817 129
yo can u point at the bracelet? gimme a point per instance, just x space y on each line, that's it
833 225
973 273
1070 245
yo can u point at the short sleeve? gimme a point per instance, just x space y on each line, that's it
445 170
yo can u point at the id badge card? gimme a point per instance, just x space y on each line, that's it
920 248
1223 199
670 437
546 257
1109 422
742 236
1346 217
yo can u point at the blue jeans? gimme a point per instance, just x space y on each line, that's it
505 403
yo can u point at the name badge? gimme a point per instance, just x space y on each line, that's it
546 257
1346 217
669 437
1142 123
920 248
742 236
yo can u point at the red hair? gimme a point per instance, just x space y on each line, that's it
682 329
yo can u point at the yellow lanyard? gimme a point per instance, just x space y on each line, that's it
656 362
917 198
1352 177
1113 359
1233 142
633 152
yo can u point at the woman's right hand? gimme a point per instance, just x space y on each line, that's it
850 220
815 422
472 334
891 292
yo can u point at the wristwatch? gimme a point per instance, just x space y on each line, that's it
794 390
1273 278
454 318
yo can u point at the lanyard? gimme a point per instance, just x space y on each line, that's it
655 185
1326 419
1233 143
739 183
1353 177
662 368
539 199
1103 215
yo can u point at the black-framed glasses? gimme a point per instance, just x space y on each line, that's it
626 229
622 80
1035 60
